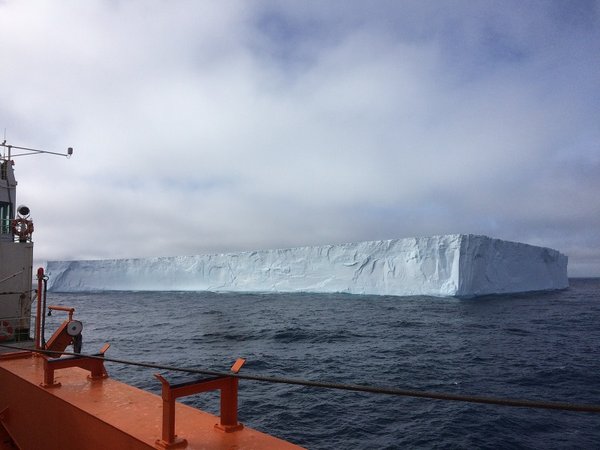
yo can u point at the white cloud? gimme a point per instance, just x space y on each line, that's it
204 126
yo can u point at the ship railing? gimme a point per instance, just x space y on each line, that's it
15 328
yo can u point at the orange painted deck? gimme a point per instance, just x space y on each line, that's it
101 414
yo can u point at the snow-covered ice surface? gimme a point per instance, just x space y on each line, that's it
461 265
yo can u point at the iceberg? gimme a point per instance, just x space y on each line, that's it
458 265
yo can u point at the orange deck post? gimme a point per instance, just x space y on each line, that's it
94 365
229 404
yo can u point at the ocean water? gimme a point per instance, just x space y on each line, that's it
542 346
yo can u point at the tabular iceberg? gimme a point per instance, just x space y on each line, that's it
460 265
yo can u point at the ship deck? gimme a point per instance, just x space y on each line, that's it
91 414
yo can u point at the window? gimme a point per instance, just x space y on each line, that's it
5 216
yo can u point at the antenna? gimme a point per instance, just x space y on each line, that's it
32 151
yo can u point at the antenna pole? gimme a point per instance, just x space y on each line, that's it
33 151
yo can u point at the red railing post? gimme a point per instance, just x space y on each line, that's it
227 385
93 365
229 405
38 313
168 439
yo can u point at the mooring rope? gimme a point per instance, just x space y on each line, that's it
563 406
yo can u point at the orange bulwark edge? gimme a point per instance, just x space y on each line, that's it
78 407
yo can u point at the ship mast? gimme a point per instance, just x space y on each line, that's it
16 248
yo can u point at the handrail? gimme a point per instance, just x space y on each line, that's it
228 417
563 406
14 328
62 308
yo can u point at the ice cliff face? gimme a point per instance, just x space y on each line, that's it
494 266
450 265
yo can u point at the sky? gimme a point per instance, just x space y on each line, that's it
211 127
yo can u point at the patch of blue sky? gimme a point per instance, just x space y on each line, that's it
287 42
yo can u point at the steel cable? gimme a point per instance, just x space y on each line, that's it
342 386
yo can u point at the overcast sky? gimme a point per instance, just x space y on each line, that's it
215 126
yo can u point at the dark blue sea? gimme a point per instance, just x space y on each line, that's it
543 346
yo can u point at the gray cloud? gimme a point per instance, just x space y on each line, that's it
204 127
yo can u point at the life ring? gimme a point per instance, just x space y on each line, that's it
22 227
6 331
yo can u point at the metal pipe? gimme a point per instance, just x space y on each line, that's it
38 337
43 340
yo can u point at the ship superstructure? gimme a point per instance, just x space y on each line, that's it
16 258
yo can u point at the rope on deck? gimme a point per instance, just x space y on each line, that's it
347 387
